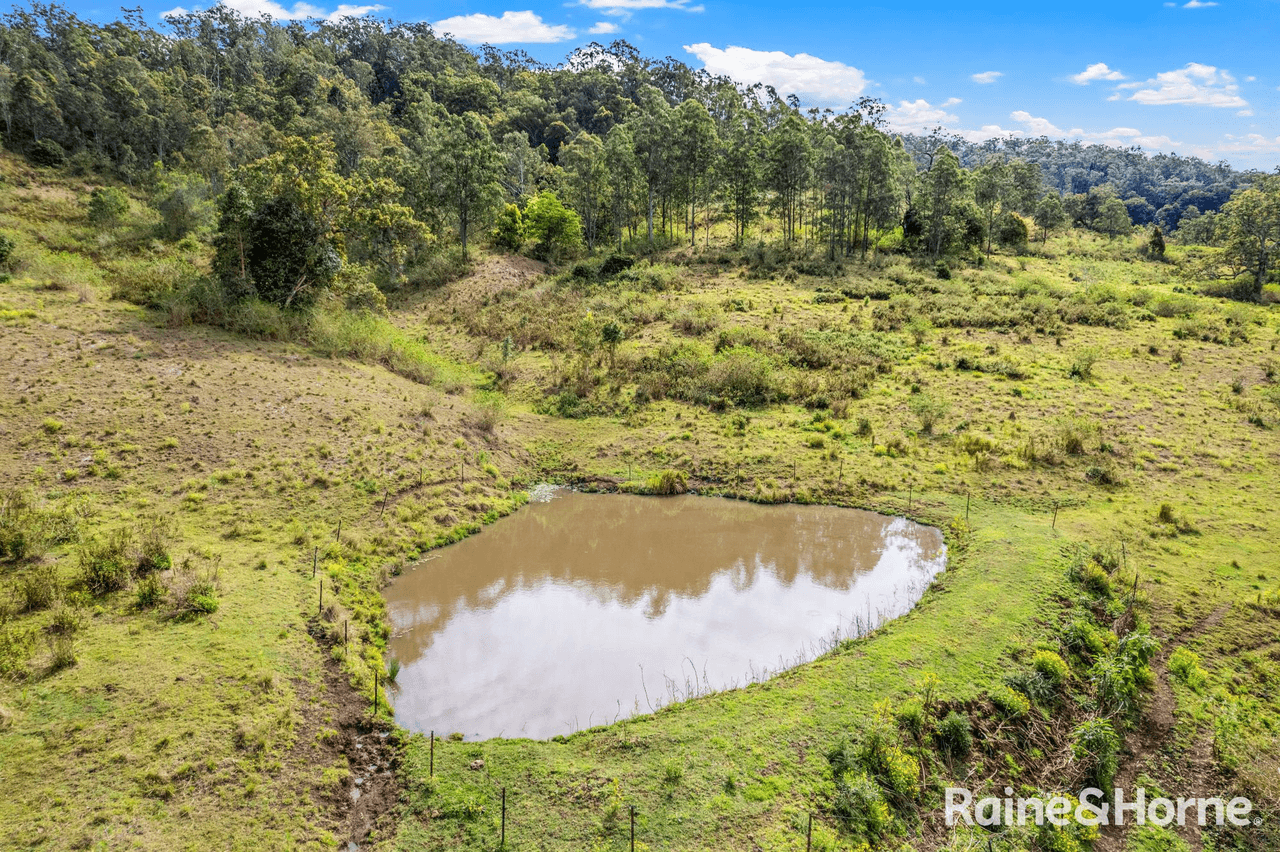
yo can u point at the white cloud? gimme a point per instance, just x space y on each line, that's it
814 80
1250 143
920 115
300 10
1201 85
625 8
1198 4
987 76
603 28
523 27
1245 113
918 79
1096 71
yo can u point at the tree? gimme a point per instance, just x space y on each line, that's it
788 153
107 206
1251 225
740 166
231 245
557 229
1113 218
508 231
696 147
584 160
990 185
184 204
1155 245
289 261
652 140
1050 215
467 167
943 188
624 180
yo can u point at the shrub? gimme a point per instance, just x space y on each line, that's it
105 564
1086 639
1120 677
929 409
153 545
1094 579
1096 745
861 808
1009 703
194 591
185 204
38 589
107 205
1185 666
667 482
47 152
741 375
508 230
954 736
1051 667
150 592
911 719
7 246
556 228
1083 361
490 410
615 263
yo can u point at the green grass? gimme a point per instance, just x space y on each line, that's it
200 731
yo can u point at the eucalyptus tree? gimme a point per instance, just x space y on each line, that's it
696 151
740 169
788 162
652 136
468 167
588 181
1250 224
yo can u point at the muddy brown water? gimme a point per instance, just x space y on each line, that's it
581 609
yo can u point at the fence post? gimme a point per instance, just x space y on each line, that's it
808 838
431 771
502 840
633 828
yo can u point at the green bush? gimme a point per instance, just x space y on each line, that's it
1085 638
153 545
912 719
1051 667
668 482
107 206
150 592
1009 703
508 230
38 588
1185 666
741 375
954 736
106 564
1097 745
861 808
929 409
7 247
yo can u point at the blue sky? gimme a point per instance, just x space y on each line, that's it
1193 76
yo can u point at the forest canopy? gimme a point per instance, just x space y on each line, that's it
329 153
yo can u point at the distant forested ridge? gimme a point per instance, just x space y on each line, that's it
1155 188
337 154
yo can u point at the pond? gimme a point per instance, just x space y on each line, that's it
581 609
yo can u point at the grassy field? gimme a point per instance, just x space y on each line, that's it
1083 405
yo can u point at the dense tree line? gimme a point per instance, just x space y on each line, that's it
1166 190
330 153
